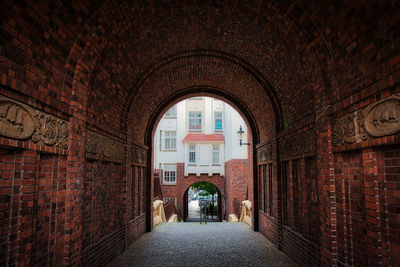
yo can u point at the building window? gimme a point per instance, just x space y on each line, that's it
286 193
218 121
260 187
192 154
133 190
170 140
194 121
171 113
169 173
271 211
215 154
139 177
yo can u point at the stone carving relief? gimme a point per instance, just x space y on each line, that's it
376 120
138 156
98 145
265 153
383 117
50 130
16 120
304 143
349 129
19 121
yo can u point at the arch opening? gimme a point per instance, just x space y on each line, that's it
182 153
203 197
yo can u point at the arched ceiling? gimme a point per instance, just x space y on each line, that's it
209 72
307 53
261 37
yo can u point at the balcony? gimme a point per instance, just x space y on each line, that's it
204 168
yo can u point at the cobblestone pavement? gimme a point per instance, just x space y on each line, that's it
194 244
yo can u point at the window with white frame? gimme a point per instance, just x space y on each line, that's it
192 154
169 173
171 113
218 121
169 140
215 154
194 121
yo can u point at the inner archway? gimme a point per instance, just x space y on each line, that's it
200 196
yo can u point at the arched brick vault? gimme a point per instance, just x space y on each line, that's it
295 72
342 49
125 67
208 72
89 62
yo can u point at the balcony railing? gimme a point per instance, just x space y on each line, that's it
206 168
157 188
237 207
170 209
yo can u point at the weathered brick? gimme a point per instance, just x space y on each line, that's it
115 67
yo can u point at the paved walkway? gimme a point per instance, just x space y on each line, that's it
194 244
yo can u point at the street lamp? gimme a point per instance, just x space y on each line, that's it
240 136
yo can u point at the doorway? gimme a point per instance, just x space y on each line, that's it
202 197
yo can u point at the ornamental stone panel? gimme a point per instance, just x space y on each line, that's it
379 119
383 117
19 121
100 146
303 143
138 156
264 153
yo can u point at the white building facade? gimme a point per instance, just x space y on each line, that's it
200 132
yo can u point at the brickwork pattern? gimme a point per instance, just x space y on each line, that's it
102 211
116 66
238 180
33 187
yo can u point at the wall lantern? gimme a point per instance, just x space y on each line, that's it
240 136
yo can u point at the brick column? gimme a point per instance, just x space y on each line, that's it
75 176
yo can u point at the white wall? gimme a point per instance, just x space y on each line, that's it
204 159
160 155
234 150
181 131
229 150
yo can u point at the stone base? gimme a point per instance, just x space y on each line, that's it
233 218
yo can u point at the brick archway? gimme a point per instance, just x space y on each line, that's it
218 185
304 74
252 126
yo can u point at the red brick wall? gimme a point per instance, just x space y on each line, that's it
387 202
33 188
237 182
136 208
286 65
366 194
293 223
234 184
183 183
102 214
48 246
